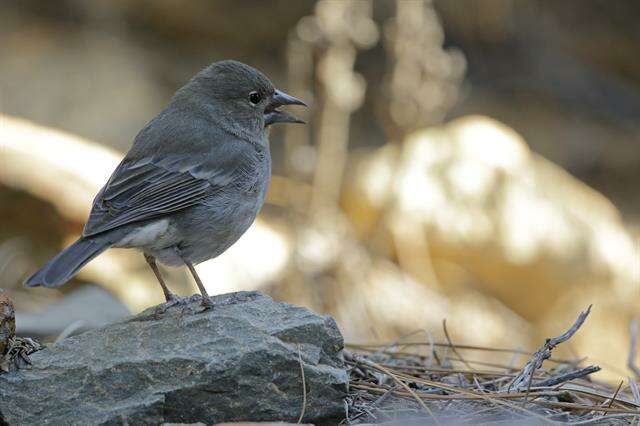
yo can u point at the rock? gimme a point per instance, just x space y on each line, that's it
238 361
259 424
7 321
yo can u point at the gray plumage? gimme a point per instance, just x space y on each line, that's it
194 179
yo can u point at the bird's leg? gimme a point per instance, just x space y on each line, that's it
168 295
206 301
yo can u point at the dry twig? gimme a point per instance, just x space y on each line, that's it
453 348
633 349
569 376
524 378
613 398
304 388
432 344
469 395
397 380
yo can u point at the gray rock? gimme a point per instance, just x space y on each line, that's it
238 361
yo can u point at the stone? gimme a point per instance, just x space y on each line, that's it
7 321
239 361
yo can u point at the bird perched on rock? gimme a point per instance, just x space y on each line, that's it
193 181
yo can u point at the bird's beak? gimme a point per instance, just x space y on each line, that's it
273 115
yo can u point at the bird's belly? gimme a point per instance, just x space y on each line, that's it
206 230
148 234
209 229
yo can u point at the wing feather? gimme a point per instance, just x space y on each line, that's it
149 188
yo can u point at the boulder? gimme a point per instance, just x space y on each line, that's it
241 360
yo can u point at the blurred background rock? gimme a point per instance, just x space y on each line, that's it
400 204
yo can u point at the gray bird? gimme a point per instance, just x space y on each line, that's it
193 181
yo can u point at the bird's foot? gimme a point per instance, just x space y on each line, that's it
173 302
206 303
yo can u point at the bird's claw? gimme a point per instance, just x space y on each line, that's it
173 301
206 304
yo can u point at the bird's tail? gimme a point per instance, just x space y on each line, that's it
68 262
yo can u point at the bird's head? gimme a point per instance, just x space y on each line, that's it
241 96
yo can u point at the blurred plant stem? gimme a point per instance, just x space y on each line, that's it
322 52
423 80
334 34
418 91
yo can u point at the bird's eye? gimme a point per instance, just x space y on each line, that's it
255 97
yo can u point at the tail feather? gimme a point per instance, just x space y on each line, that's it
67 263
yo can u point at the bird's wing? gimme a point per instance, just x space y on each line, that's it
152 187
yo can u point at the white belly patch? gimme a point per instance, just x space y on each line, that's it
146 235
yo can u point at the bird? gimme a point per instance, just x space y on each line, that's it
192 182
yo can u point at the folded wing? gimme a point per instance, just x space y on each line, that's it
153 187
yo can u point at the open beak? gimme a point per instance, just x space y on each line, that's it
273 115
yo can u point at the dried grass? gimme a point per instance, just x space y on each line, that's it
418 383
